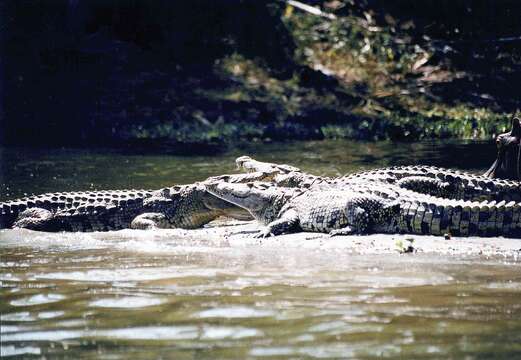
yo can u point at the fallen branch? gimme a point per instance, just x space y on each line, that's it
310 9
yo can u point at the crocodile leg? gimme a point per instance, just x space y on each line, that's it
35 219
288 222
150 221
346 230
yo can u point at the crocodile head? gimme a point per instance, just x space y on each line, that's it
262 200
191 206
507 164
250 165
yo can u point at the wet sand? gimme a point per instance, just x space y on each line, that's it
240 235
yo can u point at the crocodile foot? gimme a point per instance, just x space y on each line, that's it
148 221
35 219
348 230
264 233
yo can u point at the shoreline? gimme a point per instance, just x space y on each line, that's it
233 236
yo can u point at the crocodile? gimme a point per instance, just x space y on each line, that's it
188 206
495 184
181 206
356 210
499 183
431 180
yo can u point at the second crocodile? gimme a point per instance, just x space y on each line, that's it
354 210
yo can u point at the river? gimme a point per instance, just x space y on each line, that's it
156 294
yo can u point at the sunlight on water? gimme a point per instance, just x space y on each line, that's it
126 302
251 301
167 294
37 300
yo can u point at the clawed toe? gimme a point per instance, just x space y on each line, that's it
263 234
340 232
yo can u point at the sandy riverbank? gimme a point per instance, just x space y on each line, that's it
242 235
239 235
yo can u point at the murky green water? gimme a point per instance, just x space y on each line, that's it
142 295
26 171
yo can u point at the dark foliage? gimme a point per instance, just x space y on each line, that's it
69 64
101 71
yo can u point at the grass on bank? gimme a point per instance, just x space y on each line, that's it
377 85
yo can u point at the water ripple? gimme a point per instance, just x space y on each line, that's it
126 302
187 332
234 312
11 350
37 300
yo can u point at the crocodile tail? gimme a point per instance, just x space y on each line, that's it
461 218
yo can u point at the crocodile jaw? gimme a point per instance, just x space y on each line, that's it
225 207
247 196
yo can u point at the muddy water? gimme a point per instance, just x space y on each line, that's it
159 294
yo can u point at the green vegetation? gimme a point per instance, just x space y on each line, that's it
378 88
182 76
392 75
